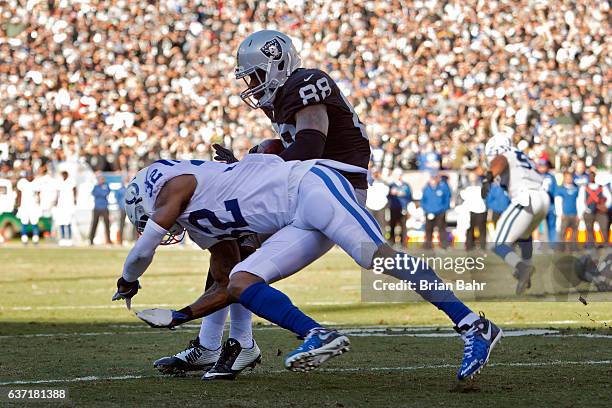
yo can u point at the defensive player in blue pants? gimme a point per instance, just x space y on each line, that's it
216 202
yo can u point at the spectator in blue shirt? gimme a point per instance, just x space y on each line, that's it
100 193
429 159
581 176
399 197
497 201
120 197
568 192
550 186
435 203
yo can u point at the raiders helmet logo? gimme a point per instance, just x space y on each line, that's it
272 49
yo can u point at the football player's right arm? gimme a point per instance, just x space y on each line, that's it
498 165
169 205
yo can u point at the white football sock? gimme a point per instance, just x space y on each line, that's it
241 327
512 259
211 330
469 319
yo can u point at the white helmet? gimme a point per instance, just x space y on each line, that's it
139 207
497 145
265 60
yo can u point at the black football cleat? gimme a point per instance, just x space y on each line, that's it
194 358
233 360
523 273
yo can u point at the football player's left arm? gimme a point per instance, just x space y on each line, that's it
223 257
498 165
311 125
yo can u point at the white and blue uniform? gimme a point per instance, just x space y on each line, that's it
529 200
308 206
29 211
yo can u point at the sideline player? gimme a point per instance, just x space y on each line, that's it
65 207
528 206
28 204
263 194
313 120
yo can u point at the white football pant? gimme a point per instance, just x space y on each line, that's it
326 200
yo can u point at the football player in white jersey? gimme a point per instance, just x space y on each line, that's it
313 119
28 204
217 203
529 205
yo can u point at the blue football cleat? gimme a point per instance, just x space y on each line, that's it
319 346
479 338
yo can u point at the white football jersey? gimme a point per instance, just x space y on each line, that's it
254 195
521 175
65 193
29 190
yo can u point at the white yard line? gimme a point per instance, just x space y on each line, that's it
78 307
79 379
443 333
122 305
352 332
79 334
325 370
167 305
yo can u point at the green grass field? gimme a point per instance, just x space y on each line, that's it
58 329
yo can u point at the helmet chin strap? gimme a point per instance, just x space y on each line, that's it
289 66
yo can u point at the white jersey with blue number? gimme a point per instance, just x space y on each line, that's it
256 195
522 175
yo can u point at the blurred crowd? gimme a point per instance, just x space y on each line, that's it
117 84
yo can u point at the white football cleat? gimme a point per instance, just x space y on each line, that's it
233 359
194 358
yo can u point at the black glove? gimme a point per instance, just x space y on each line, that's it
126 290
223 154
254 149
486 184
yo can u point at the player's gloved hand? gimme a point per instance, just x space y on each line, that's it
224 154
254 149
165 318
486 184
126 290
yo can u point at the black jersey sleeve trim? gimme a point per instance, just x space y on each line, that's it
308 144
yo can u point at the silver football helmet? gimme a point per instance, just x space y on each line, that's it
265 60
139 209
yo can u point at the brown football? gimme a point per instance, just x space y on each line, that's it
270 146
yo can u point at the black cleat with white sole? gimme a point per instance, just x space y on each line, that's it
233 359
523 273
194 358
